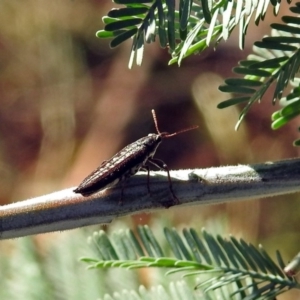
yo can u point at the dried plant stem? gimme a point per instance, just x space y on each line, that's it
66 210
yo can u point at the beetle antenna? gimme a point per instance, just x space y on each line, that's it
155 121
181 131
166 134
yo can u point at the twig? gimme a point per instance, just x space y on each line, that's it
66 210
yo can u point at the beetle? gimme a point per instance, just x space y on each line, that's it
134 157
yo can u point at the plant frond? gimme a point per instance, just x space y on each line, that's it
275 58
189 30
32 271
175 290
290 108
234 266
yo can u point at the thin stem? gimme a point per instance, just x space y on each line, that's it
66 210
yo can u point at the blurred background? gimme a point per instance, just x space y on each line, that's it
68 102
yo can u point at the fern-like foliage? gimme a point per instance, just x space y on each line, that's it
237 269
195 25
275 59
190 29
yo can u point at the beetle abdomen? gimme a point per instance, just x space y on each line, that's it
124 164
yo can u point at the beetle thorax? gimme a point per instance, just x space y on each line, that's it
152 142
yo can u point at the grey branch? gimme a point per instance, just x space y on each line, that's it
66 210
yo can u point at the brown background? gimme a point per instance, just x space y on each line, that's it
68 102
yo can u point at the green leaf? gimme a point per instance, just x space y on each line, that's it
242 31
257 258
154 244
137 49
295 9
238 10
248 62
283 120
127 11
172 242
122 24
270 63
212 26
140 49
291 19
273 2
235 251
215 249
275 46
276 115
88 260
287 73
259 12
189 40
201 247
122 37
108 20
184 13
162 33
192 244
107 250
232 101
286 28
138 249
143 233
150 27
227 13
242 82
102 34
185 252
236 89
291 109
171 23
254 72
293 96
167 261
242 246
247 21
273 268
206 10
280 260
282 39
229 251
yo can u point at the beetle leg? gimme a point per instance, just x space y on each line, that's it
162 166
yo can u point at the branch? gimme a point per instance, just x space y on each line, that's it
66 210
